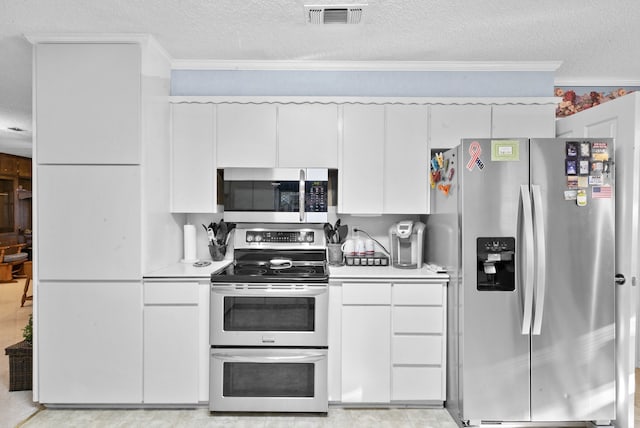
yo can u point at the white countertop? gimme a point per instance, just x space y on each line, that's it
188 270
351 272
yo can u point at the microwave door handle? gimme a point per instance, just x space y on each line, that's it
301 194
262 358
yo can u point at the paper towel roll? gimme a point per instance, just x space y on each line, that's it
189 243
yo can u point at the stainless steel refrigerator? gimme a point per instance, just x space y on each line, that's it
526 229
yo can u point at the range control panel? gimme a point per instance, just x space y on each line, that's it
279 236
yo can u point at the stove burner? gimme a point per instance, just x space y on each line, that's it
250 270
296 270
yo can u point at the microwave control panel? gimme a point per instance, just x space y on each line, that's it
316 196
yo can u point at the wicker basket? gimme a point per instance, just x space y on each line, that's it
20 366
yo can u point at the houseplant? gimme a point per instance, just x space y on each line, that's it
21 360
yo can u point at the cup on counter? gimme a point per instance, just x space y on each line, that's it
349 247
369 246
335 254
360 249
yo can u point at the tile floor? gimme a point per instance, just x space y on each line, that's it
15 406
337 417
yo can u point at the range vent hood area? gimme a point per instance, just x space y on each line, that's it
334 14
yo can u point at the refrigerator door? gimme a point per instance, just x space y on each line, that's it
494 354
573 356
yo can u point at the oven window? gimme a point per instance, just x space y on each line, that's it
269 196
268 380
269 313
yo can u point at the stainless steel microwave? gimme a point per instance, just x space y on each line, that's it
276 195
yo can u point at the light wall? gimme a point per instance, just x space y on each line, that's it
362 83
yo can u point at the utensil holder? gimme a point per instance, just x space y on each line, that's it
217 251
335 254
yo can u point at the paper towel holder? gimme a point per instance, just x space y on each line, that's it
189 255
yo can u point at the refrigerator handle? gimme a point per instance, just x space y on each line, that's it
540 280
526 260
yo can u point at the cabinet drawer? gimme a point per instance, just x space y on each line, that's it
416 350
416 383
420 319
417 294
366 294
170 293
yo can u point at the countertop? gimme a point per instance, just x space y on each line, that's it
352 272
188 270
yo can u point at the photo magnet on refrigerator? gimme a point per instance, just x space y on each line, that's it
581 198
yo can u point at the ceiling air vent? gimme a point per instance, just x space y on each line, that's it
334 14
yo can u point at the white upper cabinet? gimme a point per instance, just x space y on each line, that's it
246 135
528 121
406 160
451 123
193 165
88 103
308 135
362 160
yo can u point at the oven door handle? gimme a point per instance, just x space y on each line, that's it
265 358
267 291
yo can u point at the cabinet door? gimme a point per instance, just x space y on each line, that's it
366 355
308 136
335 343
89 222
528 121
246 135
90 342
406 160
193 165
362 160
171 354
88 109
451 123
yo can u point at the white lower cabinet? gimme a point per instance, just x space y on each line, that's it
90 342
171 343
366 334
392 342
418 342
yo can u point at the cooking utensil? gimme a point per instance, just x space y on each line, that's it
343 231
328 230
222 232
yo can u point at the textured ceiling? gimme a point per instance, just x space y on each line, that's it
595 40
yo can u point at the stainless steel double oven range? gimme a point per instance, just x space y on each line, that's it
268 322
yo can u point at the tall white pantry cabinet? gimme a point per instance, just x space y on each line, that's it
95 113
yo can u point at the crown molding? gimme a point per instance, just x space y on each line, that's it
304 65
141 38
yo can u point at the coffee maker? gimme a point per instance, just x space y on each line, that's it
406 240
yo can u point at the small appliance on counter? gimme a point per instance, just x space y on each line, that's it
406 239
